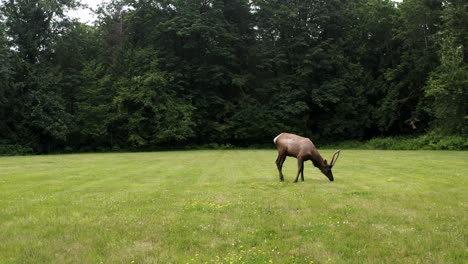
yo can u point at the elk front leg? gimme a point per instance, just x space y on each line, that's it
300 169
279 164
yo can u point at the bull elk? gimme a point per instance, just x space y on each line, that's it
303 149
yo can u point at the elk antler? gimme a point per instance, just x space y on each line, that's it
334 158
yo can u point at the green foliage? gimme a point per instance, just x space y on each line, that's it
430 141
13 149
5 60
33 25
252 121
402 103
448 86
6 72
37 116
148 107
48 115
423 142
93 114
448 83
163 74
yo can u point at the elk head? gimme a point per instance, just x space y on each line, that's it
327 168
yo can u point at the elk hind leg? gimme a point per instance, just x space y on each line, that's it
279 164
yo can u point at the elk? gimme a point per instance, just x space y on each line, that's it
303 149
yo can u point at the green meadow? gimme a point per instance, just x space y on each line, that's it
228 206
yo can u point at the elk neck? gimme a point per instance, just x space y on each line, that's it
317 160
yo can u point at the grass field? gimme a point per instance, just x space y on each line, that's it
229 206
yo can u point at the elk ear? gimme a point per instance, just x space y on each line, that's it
325 162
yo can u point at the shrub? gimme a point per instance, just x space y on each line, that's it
429 142
14 149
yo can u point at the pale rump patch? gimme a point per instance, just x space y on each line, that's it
274 140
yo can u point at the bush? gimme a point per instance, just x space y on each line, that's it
429 142
14 149
453 143
216 146
349 144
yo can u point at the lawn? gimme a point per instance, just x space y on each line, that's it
228 206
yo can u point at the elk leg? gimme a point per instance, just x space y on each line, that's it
300 168
302 171
282 162
279 165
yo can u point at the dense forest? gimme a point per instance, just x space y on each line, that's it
151 74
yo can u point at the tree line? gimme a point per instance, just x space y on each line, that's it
154 74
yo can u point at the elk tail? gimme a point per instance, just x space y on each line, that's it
276 138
